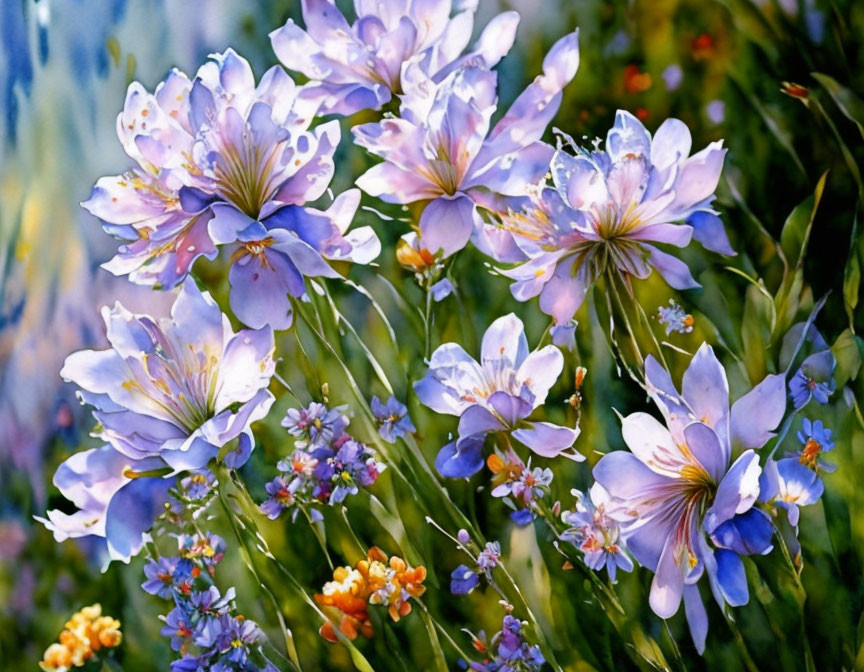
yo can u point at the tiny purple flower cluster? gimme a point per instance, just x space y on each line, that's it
513 653
596 533
326 466
464 579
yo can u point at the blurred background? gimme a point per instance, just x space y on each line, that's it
720 66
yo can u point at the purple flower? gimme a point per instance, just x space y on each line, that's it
677 488
788 484
359 66
211 602
441 290
168 395
674 318
463 580
608 209
160 576
596 533
393 419
198 485
496 395
815 439
814 380
441 150
513 652
315 425
178 627
489 556
273 256
222 161
281 492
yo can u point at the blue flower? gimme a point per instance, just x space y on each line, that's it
315 425
498 394
815 439
814 380
678 486
160 576
463 580
393 419
788 484
168 395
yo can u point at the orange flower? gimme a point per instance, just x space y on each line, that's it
377 579
86 632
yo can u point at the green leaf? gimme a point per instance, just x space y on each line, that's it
848 350
757 326
796 230
852 275
850 105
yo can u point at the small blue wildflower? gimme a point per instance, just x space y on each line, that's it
463 580
281 492
522 516
815 439
674 318
788 484
814 380
160 576
315 425
393 419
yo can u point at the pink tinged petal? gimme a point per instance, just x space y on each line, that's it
697 617
512 174
663 392
447 223
548 440
757 413
246 367
626 477
311 180
259 291
396 185
478 420
295 49
235 73
397 46
707 448
115 199
580 180
671 144
709 232
678 235
497 38
698 178
528 116
652 443
540 370
343 209
736 493
530 278
674 271
565 291
627 137
197 321
323 20
706 390
505 340
452 42
668 585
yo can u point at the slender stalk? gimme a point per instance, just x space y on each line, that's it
290 647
